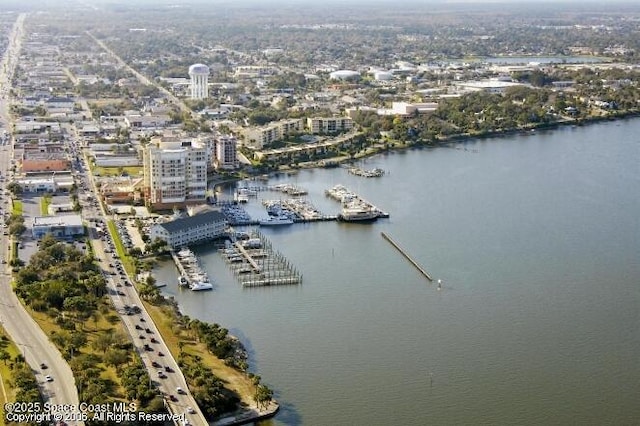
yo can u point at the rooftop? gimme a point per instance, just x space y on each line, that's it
58 220
193 221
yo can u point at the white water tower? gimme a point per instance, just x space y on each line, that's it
199 74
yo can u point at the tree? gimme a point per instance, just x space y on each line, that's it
14 188
116 357
135 252
16 229
104 340
263 396
79 306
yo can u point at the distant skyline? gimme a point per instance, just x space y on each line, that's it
275 3
455 5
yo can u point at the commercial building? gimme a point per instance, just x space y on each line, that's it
404 109
61 227
175 173
191 229
46 182
121 190
44 163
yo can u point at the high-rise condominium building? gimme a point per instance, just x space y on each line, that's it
175 173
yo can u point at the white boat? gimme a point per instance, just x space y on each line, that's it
201 285
183 282
358 213
277 221
185 252
241 196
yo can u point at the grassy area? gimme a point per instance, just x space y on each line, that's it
45 202
133 171
13 250
7 391
17 207
107 320
164 318
121 251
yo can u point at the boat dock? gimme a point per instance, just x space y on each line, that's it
357 171
299 209
346 196
180 266
406 255
255 263
191 273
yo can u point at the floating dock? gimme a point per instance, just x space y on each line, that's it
406 255
346 196
298 209
366 173
256 264
190 270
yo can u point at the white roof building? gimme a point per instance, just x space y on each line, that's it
61 226
175 173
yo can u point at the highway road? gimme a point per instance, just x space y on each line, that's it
24 331
162 367
30 338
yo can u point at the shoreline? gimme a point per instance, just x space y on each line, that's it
247 410
443 142
248 414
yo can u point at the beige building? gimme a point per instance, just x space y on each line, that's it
175 173
258 137
226 152
329 125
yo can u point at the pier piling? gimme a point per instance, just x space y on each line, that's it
406 255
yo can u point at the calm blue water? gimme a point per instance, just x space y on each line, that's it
537 241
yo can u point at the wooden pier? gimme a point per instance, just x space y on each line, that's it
256 264
406 255
247 257
183 272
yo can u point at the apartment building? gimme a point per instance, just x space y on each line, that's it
175 173
258 137
326 125
226 153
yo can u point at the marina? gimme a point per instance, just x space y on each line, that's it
297 209
354 207
357 171
255 263
535 277
192 276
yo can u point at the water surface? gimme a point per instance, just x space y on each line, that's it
537 241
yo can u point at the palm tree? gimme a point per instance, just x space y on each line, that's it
5 356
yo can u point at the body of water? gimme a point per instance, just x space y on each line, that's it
537 241
514 60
